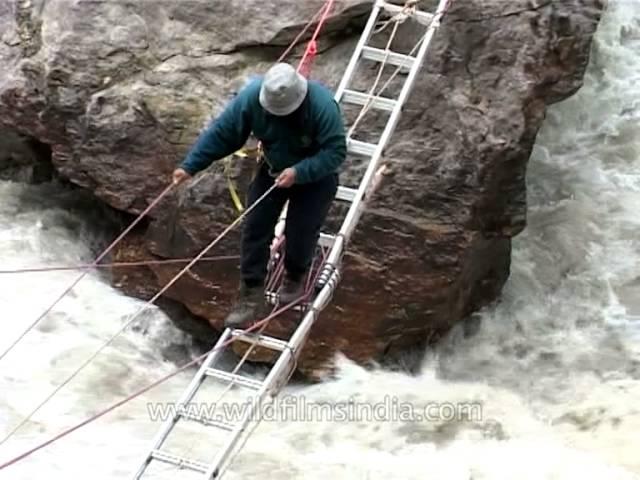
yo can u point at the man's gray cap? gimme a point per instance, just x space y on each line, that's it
283 90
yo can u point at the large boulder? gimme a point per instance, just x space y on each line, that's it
120 90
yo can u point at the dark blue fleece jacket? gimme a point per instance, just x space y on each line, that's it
312 139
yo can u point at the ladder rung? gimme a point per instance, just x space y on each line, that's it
209 422
179 461
260 340
393 58
361 148
232 377
423 17
326 240
272 299
347 194
359 98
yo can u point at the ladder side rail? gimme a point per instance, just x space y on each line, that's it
186 397
273 382
356 208
321 300
278 370
324 296
346 78
275 373
357 52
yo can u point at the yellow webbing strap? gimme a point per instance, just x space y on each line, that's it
230 184
234 195
233 191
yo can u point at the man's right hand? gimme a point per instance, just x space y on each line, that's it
180 175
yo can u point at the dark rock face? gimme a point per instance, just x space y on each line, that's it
119 90
24 159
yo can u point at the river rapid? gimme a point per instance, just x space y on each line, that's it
543 385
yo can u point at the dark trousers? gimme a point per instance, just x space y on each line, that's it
308 207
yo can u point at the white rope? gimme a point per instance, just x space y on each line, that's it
371 96
139 311
239 364
192 445
401 13
409 10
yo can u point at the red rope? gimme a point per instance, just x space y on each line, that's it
300 35
142 391
133 396
138 263
310 53
306 62
308 58
304 66
95 262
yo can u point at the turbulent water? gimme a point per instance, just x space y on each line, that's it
546 386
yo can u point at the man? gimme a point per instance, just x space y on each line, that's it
302 132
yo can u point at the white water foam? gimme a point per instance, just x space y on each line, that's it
554 367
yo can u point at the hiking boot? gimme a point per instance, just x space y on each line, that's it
290 290
247 307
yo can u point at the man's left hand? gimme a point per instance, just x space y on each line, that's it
286 178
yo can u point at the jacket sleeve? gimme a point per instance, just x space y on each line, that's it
331 137
224 136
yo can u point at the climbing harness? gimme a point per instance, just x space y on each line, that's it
325 273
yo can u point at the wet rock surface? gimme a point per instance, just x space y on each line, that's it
119 90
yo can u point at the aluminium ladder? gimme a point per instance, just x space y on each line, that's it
288 351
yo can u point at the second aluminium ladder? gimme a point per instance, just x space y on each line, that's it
288 351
